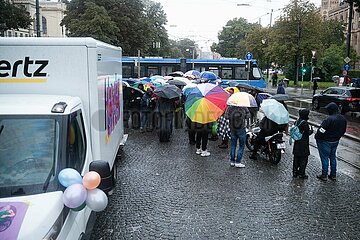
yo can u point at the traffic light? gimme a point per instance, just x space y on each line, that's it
303 70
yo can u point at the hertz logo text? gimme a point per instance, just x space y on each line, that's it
11 70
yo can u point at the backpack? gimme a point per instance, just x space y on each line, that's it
295 131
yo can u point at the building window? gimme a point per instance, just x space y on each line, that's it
9 34
44 26
21 34
16 34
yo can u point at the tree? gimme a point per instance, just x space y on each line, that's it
257 42
299 31
93 21
232 38
13 17
158 37
134 23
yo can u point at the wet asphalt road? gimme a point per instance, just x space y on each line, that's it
166 191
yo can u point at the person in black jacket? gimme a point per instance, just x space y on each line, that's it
301 150
327 139
165 109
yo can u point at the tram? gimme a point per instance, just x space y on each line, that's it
228 70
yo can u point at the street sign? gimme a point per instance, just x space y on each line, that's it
347 66
347 60
248 56
344 72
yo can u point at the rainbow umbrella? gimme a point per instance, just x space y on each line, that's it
206 103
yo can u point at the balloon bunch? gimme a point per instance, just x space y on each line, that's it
81 192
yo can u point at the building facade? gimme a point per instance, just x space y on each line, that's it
337 10
51 15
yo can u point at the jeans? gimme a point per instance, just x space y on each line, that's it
327 151
145 123
237 135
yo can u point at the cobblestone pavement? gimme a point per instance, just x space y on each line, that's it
166 191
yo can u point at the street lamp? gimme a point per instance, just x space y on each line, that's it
313 52
193 56
263 41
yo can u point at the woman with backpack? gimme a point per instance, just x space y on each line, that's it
301 150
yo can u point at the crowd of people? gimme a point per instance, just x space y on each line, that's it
160 114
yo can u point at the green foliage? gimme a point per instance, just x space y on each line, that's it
354 73
13 17
232 38
94 21
158 37
332 61
132 24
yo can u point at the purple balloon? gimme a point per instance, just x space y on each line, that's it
74 196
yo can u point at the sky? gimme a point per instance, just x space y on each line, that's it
201 20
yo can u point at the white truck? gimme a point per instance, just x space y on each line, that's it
60 107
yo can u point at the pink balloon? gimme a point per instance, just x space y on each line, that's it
91 180
74 195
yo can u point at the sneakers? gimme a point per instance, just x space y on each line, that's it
198 151
322 177
332 177
232 164
239 165
205 153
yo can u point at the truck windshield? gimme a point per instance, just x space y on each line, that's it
28 154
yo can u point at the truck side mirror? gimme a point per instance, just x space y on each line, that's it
103 169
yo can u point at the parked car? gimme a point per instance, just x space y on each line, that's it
347 98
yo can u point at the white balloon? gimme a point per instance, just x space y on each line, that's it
96 200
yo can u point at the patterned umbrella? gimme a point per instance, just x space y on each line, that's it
275 111
206 103
242 99
193 74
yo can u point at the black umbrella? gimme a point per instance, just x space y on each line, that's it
177 82
240 85
176 74
168 91
132 96
280 97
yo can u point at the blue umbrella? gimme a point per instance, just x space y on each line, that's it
208 76
192 73
156 77
188 88
275 111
